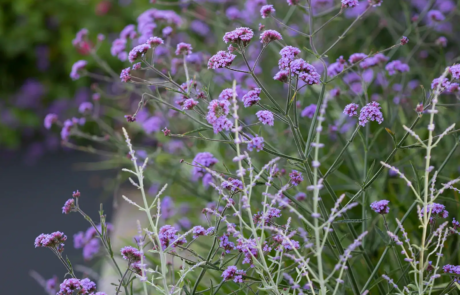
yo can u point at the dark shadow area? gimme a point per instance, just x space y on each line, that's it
31 202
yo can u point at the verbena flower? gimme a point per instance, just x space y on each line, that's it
50 119
266 10
76 286
131 254
183 49
441 41
125 75
241 36
305 71
227 94
373 61
270 36
455 71
356 57
69 206
381 206
444 84
249 249
351 110
138 52
226 244
292 2
370 112
200 161
137 66
76 69
336 68
435 209
288 54
217 115
168 236
198 231
404 40
295 177
220 60
435 16
265 117
252 97
309 111
85 107
282 76
233 185
257 143
349 3
54 240
189 104
396 66
232 273
153 42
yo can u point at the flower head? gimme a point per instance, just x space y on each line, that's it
85 107
154 42
220 60
288 54
381 206
269 36
266 10
131 254
69 206
356 57
200 161
137 52
396 66
50 119
257 143
241 36
76 69
183 49
125 75
436 16
265 117
295 177
370 112
252 97
349 3
227 94
282 76
309 111
351 110
455 71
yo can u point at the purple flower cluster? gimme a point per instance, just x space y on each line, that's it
435 209
265 117
200 161
198 231
309 111
357 57
89 241
183 49
232 273
76 286
54 240
69 206
249 249
257 143
217 115
351 110
125 75
131 254
270 36
168 235
288 54
295 177
373 61
266 10
77 68
381 207
241 36
396 66
233 185
453 269
370 112
137 52
305 71
336 68
50 119
220 60
349 3
252 97
226 244
227 94
455 71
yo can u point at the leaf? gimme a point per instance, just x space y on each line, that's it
382 235
392 134
369 171
417 177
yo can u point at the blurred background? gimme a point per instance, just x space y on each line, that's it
36 173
